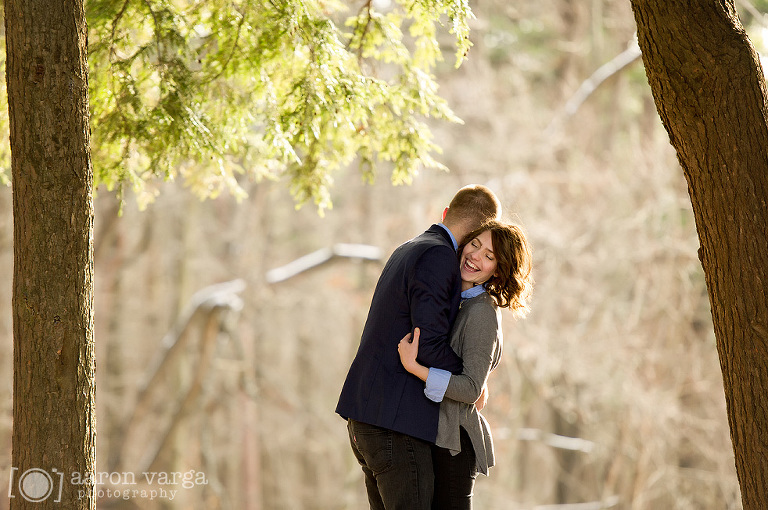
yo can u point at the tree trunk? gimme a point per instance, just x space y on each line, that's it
53 397
710 92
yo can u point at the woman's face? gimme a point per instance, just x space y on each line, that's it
478 262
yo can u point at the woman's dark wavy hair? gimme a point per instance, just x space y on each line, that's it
512 284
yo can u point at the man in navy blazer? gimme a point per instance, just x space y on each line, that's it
391 422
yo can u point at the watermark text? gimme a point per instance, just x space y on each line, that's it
36 485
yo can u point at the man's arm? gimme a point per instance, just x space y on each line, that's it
430 292
479 351
437 379
471 385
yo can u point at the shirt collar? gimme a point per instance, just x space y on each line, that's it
473 292
453 239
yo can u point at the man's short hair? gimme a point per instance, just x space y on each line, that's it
473 205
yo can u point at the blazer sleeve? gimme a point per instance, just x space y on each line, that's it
430 293
478 352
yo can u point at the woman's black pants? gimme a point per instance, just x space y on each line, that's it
454 476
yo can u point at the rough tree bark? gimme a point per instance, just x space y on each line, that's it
710 92
53 390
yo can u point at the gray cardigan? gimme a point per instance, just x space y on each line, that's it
476 337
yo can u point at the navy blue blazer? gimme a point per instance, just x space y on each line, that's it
420 286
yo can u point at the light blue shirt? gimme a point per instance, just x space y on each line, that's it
438 379
453 238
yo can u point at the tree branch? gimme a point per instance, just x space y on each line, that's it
114 27
591 84
232 51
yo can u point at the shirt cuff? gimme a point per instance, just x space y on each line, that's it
437 384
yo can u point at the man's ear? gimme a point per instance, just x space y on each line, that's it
445 211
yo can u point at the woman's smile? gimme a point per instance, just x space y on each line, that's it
470 266
478 262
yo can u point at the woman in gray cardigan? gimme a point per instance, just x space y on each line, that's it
495 267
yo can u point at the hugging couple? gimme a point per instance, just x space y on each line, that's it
413 393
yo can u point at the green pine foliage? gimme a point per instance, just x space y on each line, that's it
216 91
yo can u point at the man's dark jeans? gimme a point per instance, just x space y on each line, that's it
398 468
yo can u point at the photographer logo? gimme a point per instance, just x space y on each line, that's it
36 485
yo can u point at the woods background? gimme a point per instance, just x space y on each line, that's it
609 392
